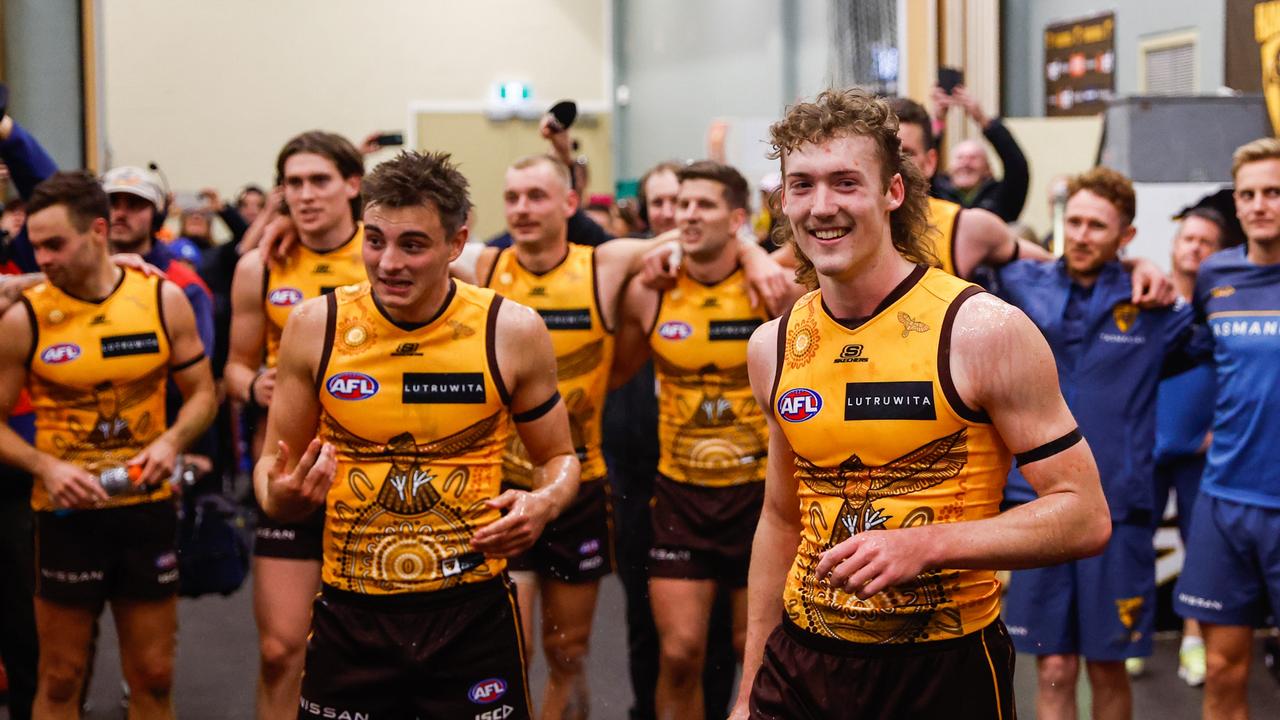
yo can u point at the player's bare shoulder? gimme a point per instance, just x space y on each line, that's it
995 346
762 357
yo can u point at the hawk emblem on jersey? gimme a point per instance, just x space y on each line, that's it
802 343
910 324
413 528
1222 291
461 331
715 444
1124 314
581 361
115 430
1129 610
915 605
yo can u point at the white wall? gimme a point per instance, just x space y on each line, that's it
42 69
211 90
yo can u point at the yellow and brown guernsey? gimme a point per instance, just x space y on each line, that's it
568 299
306 274
944 216
711 430
883 440
419 418
97 375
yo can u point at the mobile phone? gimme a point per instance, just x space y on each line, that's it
389 139
949 78
564 113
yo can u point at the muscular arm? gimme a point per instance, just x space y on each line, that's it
984 239
11 287
1001 364
527 362
293 420
616 262
195 382
778 532
248 326
631 342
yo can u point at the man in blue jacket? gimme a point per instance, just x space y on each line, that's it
1110 357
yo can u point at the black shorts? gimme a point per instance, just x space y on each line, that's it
290 541
86 557
704 533
452 653
804 676
576 547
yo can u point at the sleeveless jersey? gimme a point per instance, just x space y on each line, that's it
882 440
305 274
711 430
568 299
97 375
945 216
419 419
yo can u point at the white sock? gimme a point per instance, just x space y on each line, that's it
1190 641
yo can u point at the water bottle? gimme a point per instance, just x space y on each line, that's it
121 480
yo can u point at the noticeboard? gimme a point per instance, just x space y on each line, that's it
1079 65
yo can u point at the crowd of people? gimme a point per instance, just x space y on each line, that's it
809 439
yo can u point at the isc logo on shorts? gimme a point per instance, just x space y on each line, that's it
674 330
487 691
60 353
285 296
799 404
352 386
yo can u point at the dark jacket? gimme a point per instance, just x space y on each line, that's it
1004 197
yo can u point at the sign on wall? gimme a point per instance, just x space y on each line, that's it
1079 65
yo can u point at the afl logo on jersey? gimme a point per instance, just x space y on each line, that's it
60 353
799 404
674 330
352 386
285 296
487 691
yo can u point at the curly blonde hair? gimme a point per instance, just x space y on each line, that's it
856 112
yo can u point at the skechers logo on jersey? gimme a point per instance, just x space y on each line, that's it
321 269
60 353
733 329
98 320
910 400
850 354
136 344
799 404
432 388
315 709
573 319
487 691
674 330
406 350
352 386
285 296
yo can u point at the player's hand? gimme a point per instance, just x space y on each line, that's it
1152 289
263 387
971 106
278 238
768 283
134 261
660 266
874 560
157 461
294 495
71 486
212 200
525 515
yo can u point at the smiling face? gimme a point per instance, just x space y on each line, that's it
837 204
707 223
1095 232
319 198
407 252
969 166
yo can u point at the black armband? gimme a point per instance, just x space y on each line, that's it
184 365
535 413
1049 449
